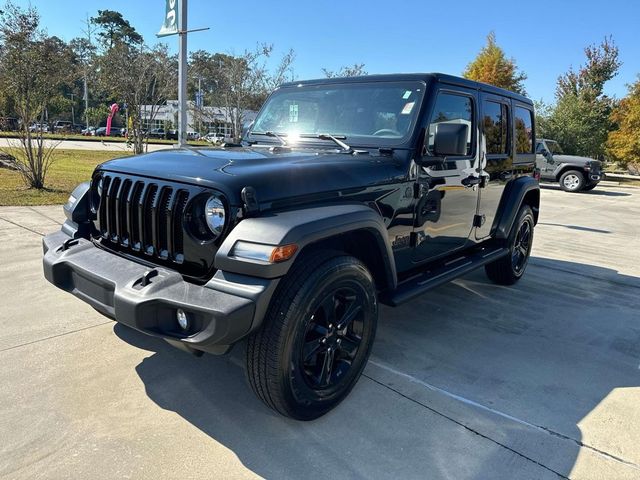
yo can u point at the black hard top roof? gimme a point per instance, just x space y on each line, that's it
400 77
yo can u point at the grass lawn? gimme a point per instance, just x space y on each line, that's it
70 167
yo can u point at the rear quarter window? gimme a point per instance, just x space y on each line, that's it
524 134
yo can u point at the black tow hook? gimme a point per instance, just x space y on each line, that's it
147 276
68 244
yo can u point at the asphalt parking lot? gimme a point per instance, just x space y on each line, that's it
472 381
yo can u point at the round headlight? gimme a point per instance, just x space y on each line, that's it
215 215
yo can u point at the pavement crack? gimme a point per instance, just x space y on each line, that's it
55 336
590 447
45 216
22 226
466 427
474 404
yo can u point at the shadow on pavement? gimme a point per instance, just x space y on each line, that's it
576 227
546 351
599 190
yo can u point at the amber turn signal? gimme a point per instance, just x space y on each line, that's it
283 253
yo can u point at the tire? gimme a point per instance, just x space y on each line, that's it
589 187
510 268
572 181
300 362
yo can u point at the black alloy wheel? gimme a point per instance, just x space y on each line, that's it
332 338
521 247
316 337
510 268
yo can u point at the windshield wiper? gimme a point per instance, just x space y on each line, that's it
272 135
335 139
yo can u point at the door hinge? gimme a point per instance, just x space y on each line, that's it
478 220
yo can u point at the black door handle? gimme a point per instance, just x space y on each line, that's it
469 181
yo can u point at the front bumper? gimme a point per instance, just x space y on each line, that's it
220 313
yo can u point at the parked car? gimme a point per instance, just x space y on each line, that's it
172 135
292 239
573 173
88 131
102 132
39 127
157 133
9 124
62 126
213 137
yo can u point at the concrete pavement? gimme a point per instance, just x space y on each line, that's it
539 380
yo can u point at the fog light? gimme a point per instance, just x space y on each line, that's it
183 320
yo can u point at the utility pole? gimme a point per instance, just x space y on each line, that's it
86 100
200 105
89 33
182 75
73 114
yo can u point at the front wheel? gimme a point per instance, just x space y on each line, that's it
316 337
589 187
510 268
572 181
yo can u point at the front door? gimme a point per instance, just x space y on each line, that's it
448 193
544 160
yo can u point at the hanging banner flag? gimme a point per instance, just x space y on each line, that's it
170 25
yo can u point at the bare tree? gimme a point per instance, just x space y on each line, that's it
143 78
33 68
356 70
248 81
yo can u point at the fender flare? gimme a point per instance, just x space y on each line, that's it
303 227
512 199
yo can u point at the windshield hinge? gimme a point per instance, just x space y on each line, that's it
250 201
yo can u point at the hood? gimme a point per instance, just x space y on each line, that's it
573 159
274 176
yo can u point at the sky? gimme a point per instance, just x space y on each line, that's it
544 37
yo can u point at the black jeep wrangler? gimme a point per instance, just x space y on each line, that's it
344 193
573 173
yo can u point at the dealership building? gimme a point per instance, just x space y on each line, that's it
199 119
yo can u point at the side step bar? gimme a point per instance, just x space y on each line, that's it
442 273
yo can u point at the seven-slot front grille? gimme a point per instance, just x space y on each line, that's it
143 215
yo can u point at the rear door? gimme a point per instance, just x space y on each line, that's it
496 162
449 192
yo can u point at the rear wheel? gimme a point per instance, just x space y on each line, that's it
510 268
316 336
572 181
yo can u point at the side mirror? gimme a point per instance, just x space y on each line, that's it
450 140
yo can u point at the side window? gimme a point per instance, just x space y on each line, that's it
539 147
495 123
452 108
524 130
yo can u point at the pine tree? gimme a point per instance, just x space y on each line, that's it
492 66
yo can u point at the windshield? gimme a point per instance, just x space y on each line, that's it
554 147
376 113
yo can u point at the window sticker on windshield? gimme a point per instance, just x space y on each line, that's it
406 95
407 108
293 113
